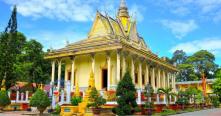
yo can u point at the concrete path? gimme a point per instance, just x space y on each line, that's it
208 112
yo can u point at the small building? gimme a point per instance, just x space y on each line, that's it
112 47
182 86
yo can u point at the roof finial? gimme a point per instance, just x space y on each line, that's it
122 11
123 4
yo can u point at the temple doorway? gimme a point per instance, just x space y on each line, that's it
104 79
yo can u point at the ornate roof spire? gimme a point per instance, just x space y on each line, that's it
122 12
123 3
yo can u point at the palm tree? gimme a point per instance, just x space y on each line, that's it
168 92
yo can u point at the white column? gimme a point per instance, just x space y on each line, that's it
93 63
26 96
72 74
140 75
59 75
62 96
22 96
164 79
158 98
139 96
108 71
68 92
52 77
153 79
165 99
17 96
147 75
123 64
118 66
158 79
168 80
132 70
52 72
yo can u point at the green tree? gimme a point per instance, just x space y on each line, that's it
217 87
10 44
4 99
168 92
218 73
179 57
40 100
203 61
31 66
126 93
186 73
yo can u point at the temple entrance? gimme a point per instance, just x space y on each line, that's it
104 79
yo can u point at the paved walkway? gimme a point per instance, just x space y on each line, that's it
209 112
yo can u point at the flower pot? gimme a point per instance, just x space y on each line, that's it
96 111
137 113
148 111
41 110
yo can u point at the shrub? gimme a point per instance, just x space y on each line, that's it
168 112
76 100
96 101
40 100
215 101
57 109
126 96
4 99
182 101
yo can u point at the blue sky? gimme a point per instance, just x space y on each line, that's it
166 25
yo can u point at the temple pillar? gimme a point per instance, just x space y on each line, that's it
158 80
108 71
140 75
93 63
164 79
118 66
52 72
123 64
153 78
59 75
132 70
147 75
52 77
168 80
72 73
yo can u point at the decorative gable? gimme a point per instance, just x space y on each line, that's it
101 27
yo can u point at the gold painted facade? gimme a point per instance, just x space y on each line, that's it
112 47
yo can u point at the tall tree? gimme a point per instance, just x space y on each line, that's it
179 57
9 48
31 66
203 62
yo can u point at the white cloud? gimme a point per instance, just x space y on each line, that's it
56 40
136 12
181 11
180 28
200 9
68 10
65 10
211 44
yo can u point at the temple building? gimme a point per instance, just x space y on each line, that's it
112 47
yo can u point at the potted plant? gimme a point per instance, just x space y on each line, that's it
75 101
4 99
137 111
95 101
40 100
148 106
